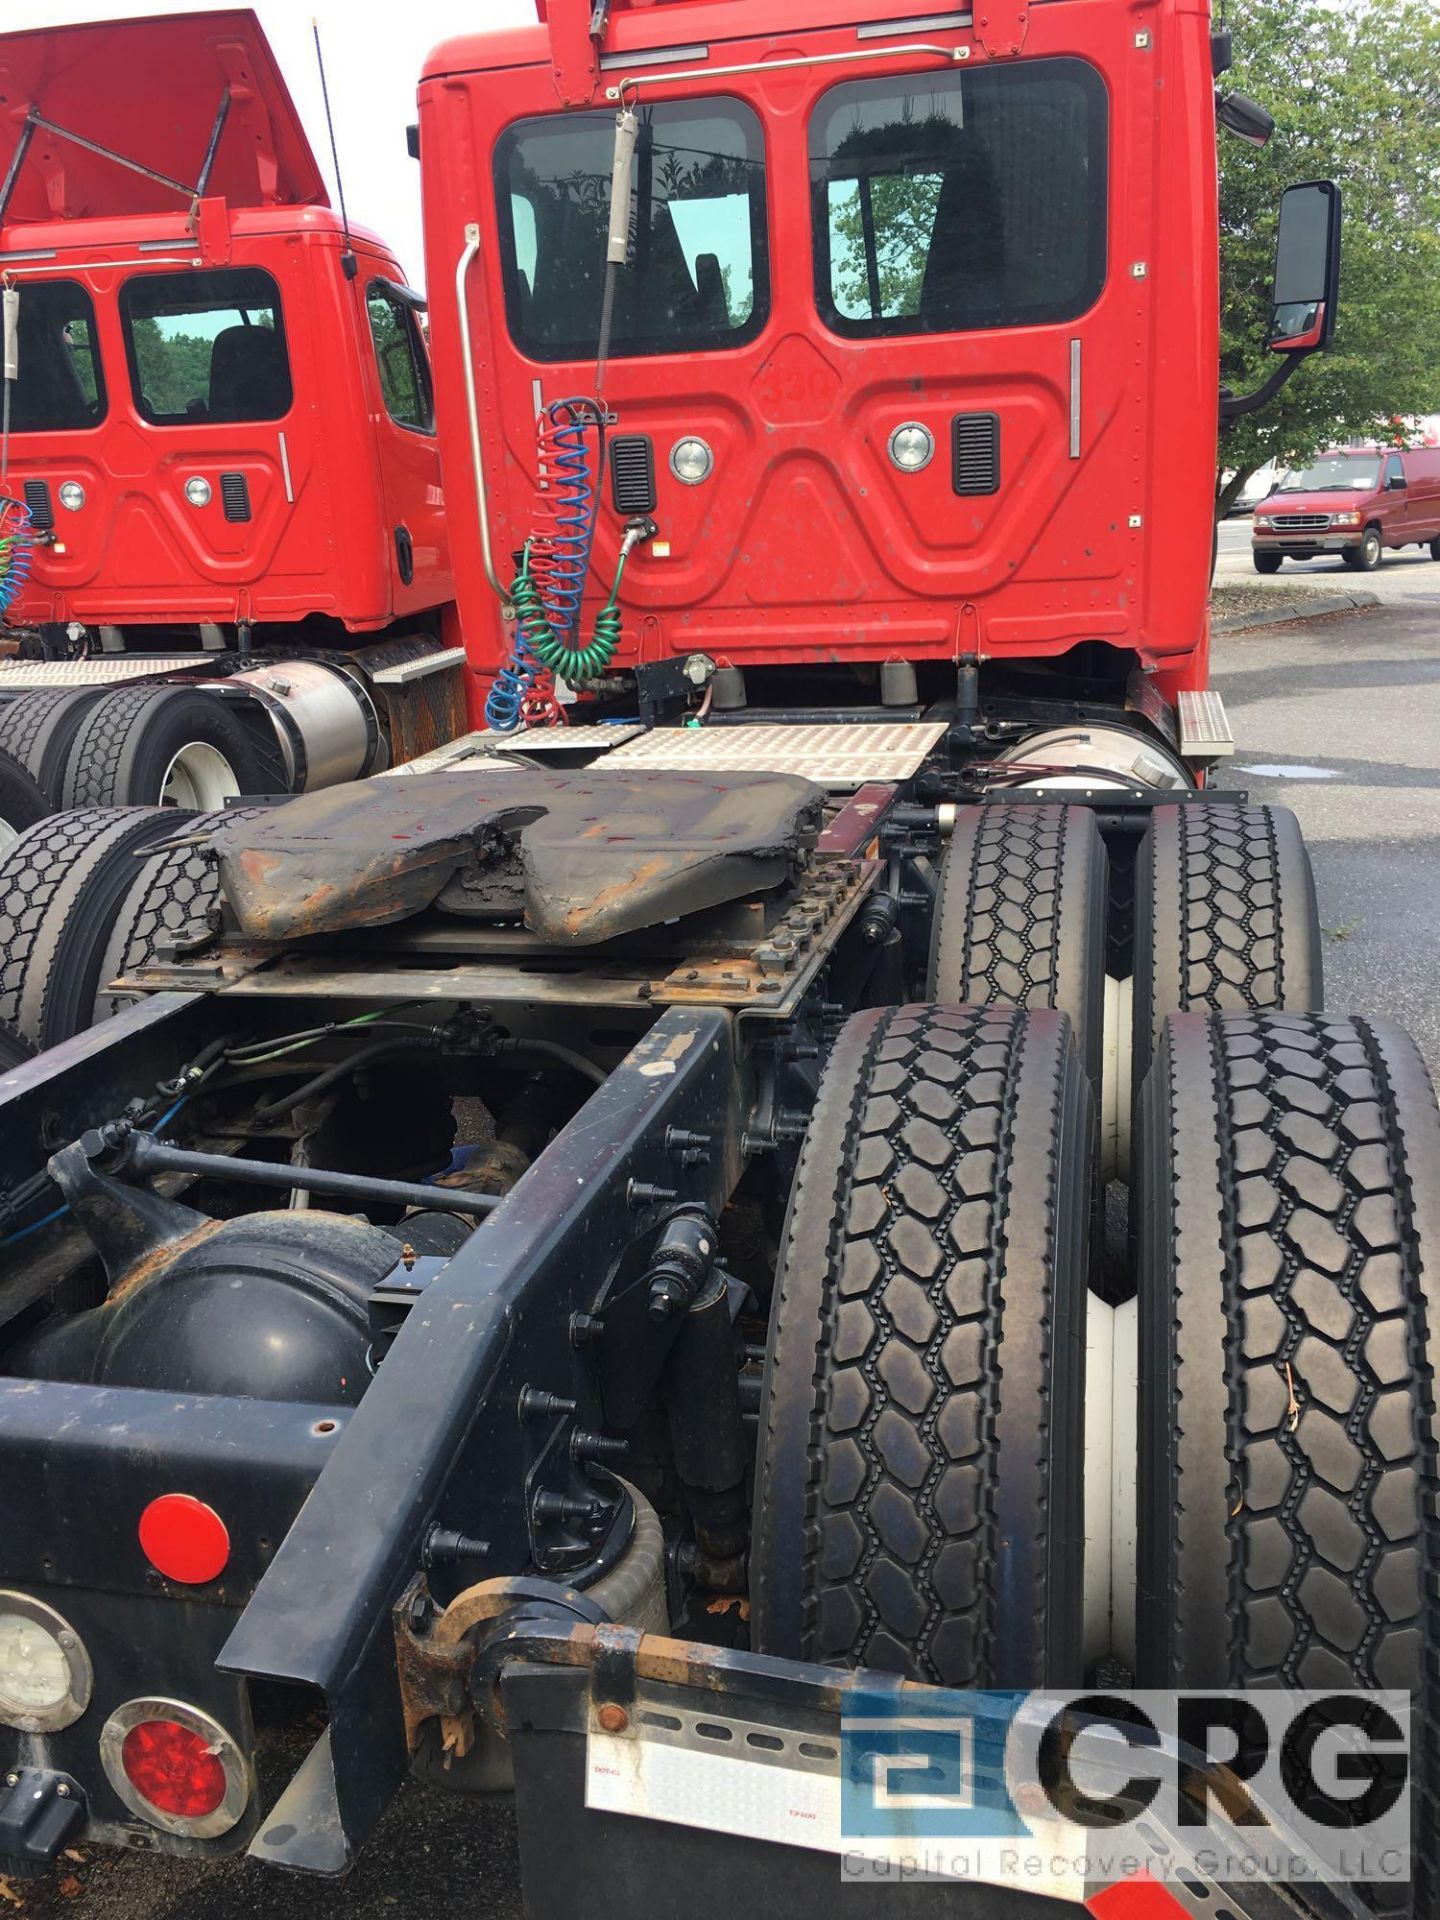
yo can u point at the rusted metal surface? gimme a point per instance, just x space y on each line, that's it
853 830
434 1678
158 1260
497 984
436 1652
423 714
761 964
583 857
775 971
621 1659
218 965
457 1662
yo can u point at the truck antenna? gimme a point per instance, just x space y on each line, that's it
347 258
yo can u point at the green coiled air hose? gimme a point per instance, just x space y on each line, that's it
574 663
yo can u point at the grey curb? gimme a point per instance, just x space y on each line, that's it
1306 609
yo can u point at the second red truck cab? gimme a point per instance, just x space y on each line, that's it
223 416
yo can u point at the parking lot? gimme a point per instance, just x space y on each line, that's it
1408 576
1338 718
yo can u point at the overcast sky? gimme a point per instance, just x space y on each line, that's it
374 50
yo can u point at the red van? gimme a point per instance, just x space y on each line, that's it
1355 504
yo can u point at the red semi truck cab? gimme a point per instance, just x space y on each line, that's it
908 307
224 414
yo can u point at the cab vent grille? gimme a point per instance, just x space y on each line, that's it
975 442
37 498
236 496
632 473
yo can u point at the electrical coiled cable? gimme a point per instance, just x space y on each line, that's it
550 583
17 551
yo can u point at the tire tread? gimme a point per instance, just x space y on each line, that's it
1322 1174
1019 918
909 1452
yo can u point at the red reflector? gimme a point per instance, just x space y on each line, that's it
1139 1898
184 1539
173 1768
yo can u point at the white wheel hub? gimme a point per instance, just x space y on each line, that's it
199 776
9 834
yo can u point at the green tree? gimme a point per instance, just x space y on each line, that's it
174 367
1355 90
899 168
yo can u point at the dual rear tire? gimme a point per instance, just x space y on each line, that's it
22 800
112 746
919 1495
170 746
1224 917
62 884
94 894
1287 1531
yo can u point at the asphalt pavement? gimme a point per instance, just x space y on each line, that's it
1338 718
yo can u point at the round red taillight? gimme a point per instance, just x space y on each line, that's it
173 1768
174 1765
184 1539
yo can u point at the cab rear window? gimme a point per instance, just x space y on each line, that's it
206 346
61 385
952 202
697 276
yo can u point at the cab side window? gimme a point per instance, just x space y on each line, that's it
1394 471
401 358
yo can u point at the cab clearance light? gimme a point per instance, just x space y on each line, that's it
176 1767
45 1673
184 1539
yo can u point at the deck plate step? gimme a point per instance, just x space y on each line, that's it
836 756
1205 732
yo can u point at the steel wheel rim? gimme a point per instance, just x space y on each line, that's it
199 777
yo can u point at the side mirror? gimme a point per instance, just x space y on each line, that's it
1307 269
1244 117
